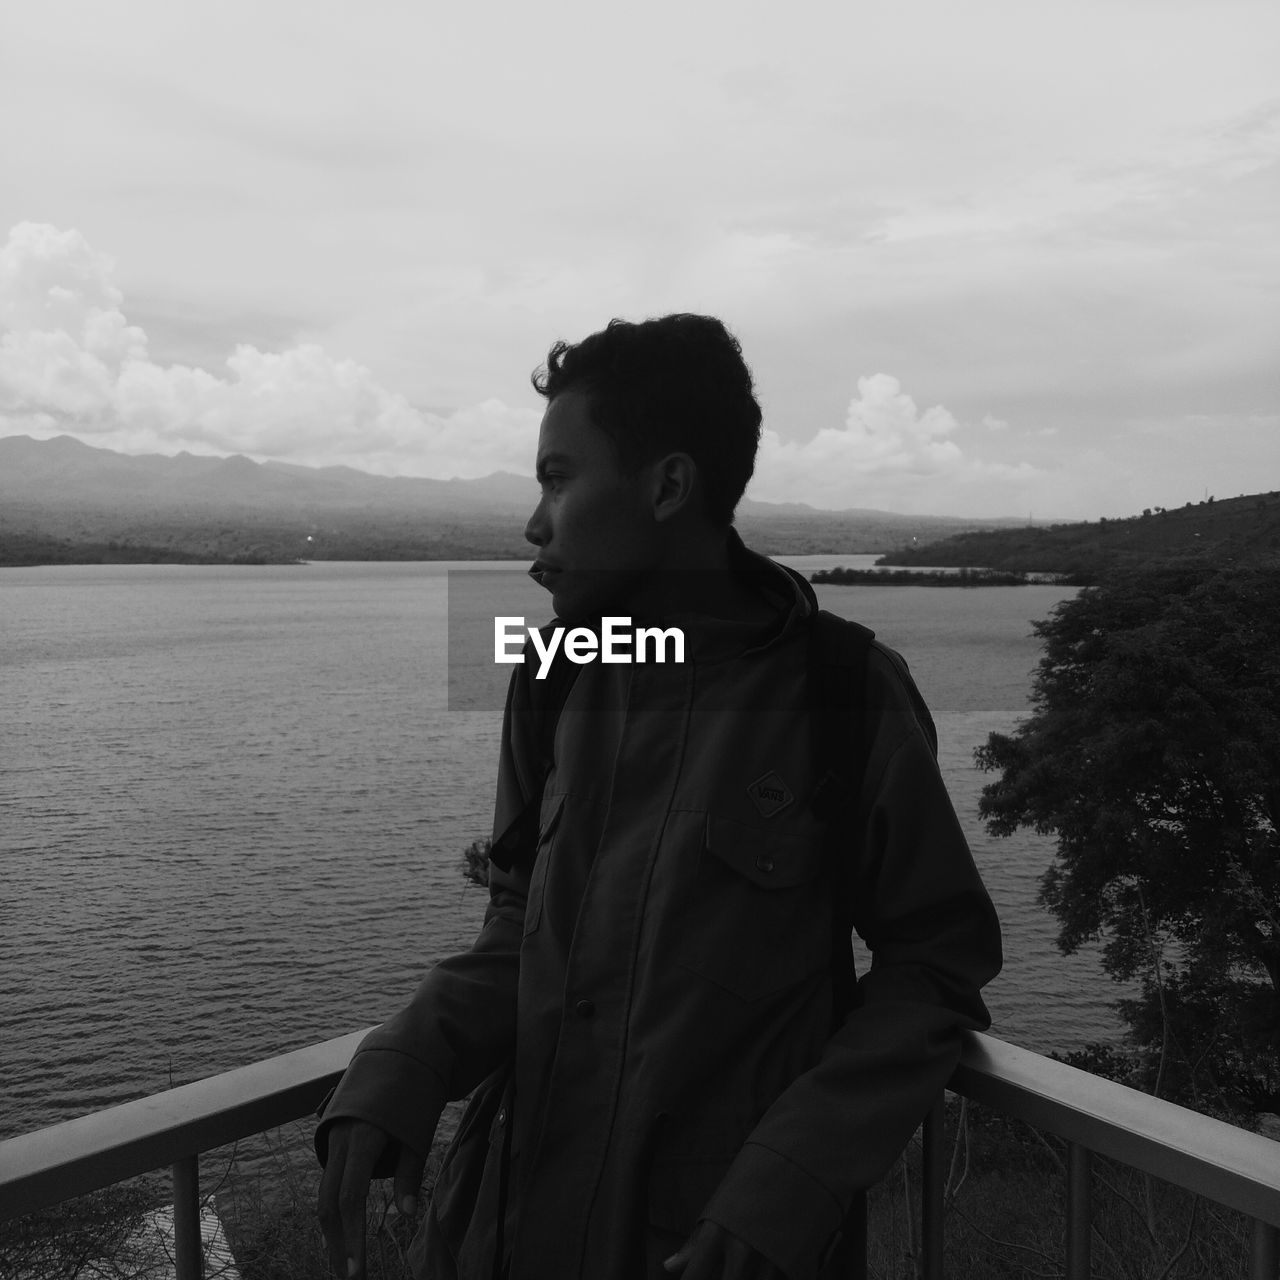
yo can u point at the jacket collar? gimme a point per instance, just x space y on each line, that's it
789 599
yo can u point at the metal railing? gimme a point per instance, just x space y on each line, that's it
1219 1161
169 1129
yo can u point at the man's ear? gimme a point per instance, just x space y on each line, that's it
673 480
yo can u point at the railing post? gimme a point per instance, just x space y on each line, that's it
188 1246
931 1189
1265 1263
1079 1211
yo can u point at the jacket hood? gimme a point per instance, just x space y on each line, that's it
789 600
790 589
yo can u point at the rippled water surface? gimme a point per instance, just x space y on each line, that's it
233 803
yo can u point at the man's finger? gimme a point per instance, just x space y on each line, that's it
701 1255
680 1259
354 1149
408 1180
352 1201
327 1200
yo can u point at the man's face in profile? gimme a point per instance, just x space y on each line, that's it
593 526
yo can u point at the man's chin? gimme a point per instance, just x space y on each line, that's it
571 609
585 596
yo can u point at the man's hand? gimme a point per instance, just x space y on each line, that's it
354 1149
712 1253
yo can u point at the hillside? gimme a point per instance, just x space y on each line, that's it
62 501
1244 530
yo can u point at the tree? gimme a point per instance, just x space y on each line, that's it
1153 755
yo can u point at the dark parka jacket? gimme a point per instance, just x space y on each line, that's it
648 1007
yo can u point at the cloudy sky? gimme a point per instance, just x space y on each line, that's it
985 258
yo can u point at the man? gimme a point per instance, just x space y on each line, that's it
668 1079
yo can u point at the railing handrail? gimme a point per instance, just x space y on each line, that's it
1211 1157
75 1157
1230 1165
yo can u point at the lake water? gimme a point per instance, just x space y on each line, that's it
233 803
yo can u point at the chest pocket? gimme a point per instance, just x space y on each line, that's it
549 821
760 911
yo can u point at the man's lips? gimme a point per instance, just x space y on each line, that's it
542 573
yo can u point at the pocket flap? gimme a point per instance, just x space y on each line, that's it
768 859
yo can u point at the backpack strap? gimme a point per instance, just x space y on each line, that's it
837 678
837 684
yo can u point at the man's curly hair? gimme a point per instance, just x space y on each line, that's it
673 384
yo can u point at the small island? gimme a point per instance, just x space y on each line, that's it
842 577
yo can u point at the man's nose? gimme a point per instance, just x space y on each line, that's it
535 530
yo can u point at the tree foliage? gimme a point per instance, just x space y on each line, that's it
1153 756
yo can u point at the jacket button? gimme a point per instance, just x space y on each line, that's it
502 1116
586 1008
764 863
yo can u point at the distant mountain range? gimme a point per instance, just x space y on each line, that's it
64 470
61 499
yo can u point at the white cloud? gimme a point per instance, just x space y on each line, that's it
51 281
70 361
885 419
65 338
889 454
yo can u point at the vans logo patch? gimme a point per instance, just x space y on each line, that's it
770 794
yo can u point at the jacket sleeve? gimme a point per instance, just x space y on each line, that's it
918 902
460 1024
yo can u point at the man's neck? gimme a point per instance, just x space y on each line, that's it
698 579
